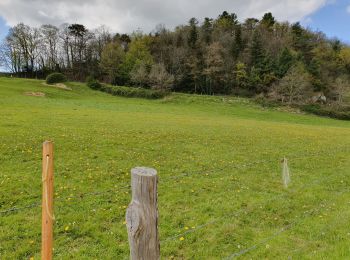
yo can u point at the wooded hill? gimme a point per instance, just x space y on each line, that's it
279 60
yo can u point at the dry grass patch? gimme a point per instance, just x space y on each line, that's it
58 85
34 94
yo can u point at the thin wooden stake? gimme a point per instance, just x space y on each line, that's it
142 215
47 202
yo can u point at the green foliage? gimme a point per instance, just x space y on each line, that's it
268 20
241 75
337 112
237 46
111 59
285 62
207 29
126 91
226 21
134 92
193 33
201 56
93 83
138 53
56 77
344 56
255 81
257 52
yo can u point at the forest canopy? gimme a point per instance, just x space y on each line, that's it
284 61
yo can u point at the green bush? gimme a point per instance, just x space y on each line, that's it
127 91
93 83
55 78
135 92
264 102
342 113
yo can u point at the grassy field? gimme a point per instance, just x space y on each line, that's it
220 187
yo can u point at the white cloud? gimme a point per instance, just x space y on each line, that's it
348 9
128 15
307 20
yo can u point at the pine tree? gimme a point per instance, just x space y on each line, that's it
237 43
257 53
241 76
207 29
285 61
268 20
193 34
227 21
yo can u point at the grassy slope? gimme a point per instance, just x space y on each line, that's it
205 149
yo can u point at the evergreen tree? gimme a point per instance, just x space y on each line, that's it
268 20
227 21
207 29
285 61
193 33
241 75
254 80
257 53
238 42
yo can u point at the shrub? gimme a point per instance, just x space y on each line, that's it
342 113
93 83
134 92
126 91
55 78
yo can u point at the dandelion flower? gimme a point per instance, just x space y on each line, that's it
66 228
182 238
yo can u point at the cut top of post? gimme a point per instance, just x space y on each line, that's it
144 171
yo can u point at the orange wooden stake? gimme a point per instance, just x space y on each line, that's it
47 202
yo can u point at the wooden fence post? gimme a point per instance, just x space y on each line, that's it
47 202
142 215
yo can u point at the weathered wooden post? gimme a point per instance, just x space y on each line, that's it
47 202
142 215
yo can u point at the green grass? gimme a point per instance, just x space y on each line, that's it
207 152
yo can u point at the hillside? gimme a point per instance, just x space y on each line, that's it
277 60
218 158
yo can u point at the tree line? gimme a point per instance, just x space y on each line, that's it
215 56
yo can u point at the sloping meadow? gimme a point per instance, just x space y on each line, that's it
221 193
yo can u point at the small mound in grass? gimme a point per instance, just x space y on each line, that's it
34 94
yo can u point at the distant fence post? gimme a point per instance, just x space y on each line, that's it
47 202
142 215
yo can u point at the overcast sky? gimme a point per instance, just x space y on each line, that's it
129 15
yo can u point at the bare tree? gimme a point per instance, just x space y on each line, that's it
214 63
341 87
159 78
49 39
139 74
294 85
